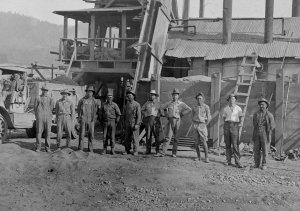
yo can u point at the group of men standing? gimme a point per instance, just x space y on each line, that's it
150 115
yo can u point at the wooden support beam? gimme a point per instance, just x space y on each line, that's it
215 108
185 15
269 21
227 19
175 9
109 3
92 35
201 8
123 35
296 8
65 35
279 110
76 28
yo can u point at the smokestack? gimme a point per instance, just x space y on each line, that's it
269 21
201 9
185 14
227 17
296 8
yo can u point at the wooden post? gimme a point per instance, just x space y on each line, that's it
123 36
279 112
175 8
110 36
296 8
52 71
201 8
65 35
76 28
269 21
185 15
92 36
227 19
215 106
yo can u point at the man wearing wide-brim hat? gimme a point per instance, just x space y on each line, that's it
110 116
65 115
151 113
87 108
43 107
132 123
173 110
263 123
232 116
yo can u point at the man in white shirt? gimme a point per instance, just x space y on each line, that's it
232 116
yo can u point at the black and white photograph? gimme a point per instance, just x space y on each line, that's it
150 105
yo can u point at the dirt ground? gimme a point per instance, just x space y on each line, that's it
74 180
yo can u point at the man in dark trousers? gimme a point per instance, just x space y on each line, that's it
201 117
87 114
110 116
263 123
132 123
65 115
151 113
43 107
232 116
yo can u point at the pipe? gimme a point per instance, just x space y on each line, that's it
227 19
296 8
269 21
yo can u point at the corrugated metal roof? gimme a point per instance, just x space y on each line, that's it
212 50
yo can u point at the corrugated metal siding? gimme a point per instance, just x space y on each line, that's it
212 51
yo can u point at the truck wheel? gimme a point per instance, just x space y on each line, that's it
3 128
31 132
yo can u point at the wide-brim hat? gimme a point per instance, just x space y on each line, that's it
90 88
130 92
230 96
175 91
65 91
263 100
153 92
199 94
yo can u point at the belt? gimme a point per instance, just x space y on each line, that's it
231 122
64 114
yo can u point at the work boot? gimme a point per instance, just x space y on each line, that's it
264 167
174 156
135 153
112 151
206 160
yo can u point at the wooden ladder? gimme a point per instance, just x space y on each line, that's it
245 79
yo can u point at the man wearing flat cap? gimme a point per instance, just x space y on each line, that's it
201 117
232 116
87 114
174 110
65 115
150 114
43 107
110 116
132 123
263 124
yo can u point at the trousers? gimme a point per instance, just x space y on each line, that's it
90 128
131 136
231 139
200 136
109 132
152 128
260 148
172 130
64 122
43 125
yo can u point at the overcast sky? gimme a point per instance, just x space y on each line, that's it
42 9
